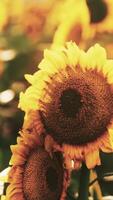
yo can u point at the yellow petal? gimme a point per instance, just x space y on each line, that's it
108 71
27 103
17 160
107 143
100 55
92 159
73 54
29 78
47 66
91 62
96 57
57 57
39 76
20 150
83 60
21 101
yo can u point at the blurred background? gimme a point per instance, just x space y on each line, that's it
26 29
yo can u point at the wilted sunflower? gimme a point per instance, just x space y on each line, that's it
73 25
73 91
35 174
101 15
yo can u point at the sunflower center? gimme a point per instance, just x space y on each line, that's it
70 102
52 178
98 10
80 107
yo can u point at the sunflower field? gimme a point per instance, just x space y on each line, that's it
56 100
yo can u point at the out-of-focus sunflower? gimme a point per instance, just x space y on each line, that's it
10 12
55 15
34 174
101 15
73 91
33 20
3 15
73 25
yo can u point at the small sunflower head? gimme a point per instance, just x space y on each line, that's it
74 92
73 26
34 173
43 176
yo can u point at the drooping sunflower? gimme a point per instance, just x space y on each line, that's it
74 24
101 15
73 91
34 173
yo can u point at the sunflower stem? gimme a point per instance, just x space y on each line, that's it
84 183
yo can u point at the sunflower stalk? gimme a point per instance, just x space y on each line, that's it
84 183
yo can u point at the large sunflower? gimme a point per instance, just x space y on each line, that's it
101 15
73 25
34 173
73 91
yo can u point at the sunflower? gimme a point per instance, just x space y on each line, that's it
73 91
36 19
34 173
3 15
101 15
73 26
